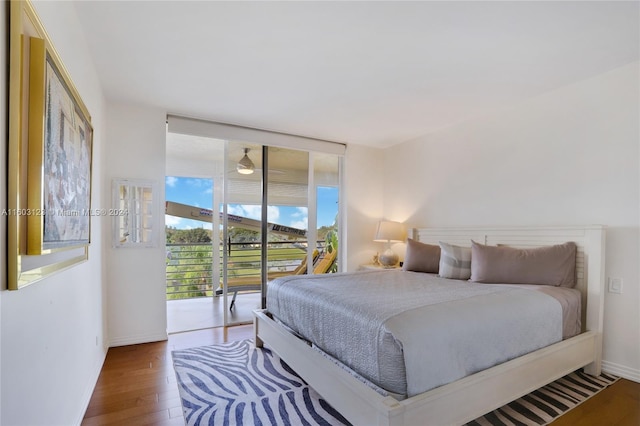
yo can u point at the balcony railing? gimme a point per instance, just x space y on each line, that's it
189 267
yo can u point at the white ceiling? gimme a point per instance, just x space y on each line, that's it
372 73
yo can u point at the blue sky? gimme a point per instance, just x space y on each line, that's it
198 192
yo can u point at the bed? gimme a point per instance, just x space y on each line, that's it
453 398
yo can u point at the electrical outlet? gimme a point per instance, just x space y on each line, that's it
615 285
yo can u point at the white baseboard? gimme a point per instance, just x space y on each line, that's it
621 371
90 386
135 340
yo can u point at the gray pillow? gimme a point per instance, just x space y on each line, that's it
549 265
421 257
455 261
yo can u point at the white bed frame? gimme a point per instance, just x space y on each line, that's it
468 398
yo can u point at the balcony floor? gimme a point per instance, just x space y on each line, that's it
206 312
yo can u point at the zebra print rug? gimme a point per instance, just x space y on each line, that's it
543 405
236 384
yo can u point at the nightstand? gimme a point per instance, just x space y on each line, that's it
373 267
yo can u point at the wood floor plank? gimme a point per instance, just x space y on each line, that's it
617 405
137 386
125 400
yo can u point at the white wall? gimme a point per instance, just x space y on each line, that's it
569 157
363 183
52 332
136 281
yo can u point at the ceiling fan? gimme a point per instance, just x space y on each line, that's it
246 167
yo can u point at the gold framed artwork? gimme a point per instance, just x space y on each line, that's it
50 151
59 165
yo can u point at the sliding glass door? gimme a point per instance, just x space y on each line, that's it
326 191
287 193
267 216
276 209
242 231
281 219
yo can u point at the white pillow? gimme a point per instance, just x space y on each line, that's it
455 262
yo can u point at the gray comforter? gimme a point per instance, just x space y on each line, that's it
410 332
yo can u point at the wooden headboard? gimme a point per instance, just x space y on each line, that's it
589 240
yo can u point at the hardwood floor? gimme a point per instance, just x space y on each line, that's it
617 405
137 386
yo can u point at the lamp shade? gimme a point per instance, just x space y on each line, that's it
390 231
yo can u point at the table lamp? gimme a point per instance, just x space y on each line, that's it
389 232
